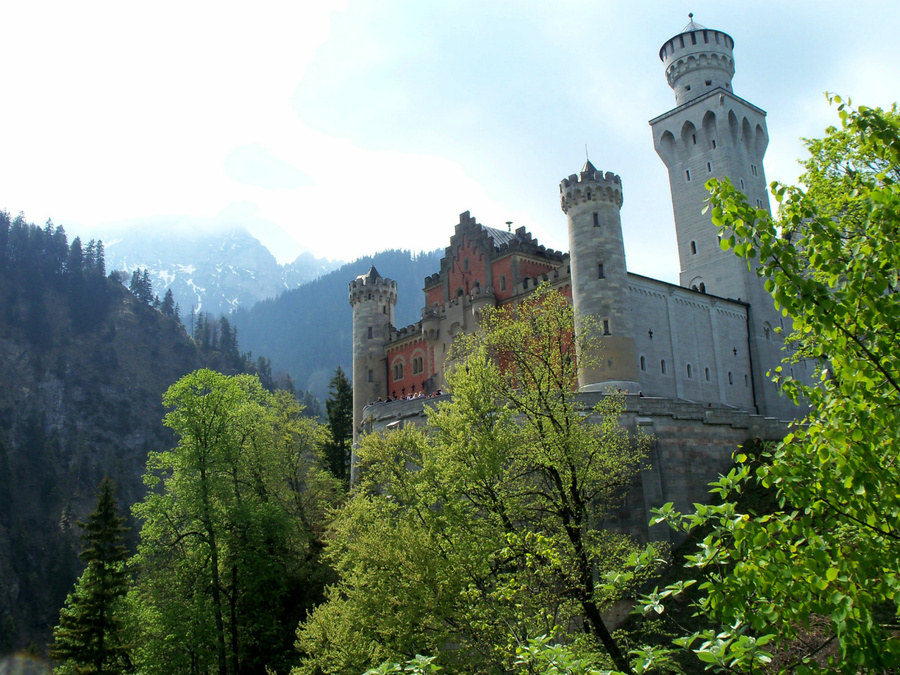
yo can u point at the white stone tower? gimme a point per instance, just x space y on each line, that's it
591 201
713 133
373 299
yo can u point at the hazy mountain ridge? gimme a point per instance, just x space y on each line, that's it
307 331
214 272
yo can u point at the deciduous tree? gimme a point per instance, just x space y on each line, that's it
228 559
467 538
829 552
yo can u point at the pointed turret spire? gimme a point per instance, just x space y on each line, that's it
692 25
371 275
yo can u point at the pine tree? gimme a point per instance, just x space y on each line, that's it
339 408
168 304
89 636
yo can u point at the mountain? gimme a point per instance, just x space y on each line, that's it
307 331
214 272
83 367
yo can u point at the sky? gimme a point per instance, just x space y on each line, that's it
345 127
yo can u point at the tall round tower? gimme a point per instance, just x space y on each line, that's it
710 133
591 201
373 298
698 60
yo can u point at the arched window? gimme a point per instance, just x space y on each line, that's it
398 370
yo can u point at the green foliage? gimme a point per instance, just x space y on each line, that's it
90 635
466 538
141 286
228 559
339 408
828 555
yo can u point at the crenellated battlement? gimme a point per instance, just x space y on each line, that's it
591 185
372 286
698 60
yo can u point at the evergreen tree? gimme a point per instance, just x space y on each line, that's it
339 408
228 343
75 262
146 287
168 304
100 259
89 637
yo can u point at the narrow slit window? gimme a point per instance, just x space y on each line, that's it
714 144
708 167
370 332
596 219
600 273
662 366
687 175
606 326
693 248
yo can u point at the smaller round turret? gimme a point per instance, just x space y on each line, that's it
373 298
698 60
591 201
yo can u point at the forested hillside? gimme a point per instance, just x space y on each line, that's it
307 331
83 367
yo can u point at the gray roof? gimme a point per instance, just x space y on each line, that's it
693 25
371 275
501 237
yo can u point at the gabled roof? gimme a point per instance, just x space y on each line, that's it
501 237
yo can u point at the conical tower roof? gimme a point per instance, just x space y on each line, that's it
371 275
692 25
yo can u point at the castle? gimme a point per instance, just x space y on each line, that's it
703 345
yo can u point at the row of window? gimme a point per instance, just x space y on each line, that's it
417 363
690 371
687 174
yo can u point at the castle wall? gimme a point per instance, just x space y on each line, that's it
410 365
434 296
691 444
467 268
701 338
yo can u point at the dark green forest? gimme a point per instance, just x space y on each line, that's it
84 362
